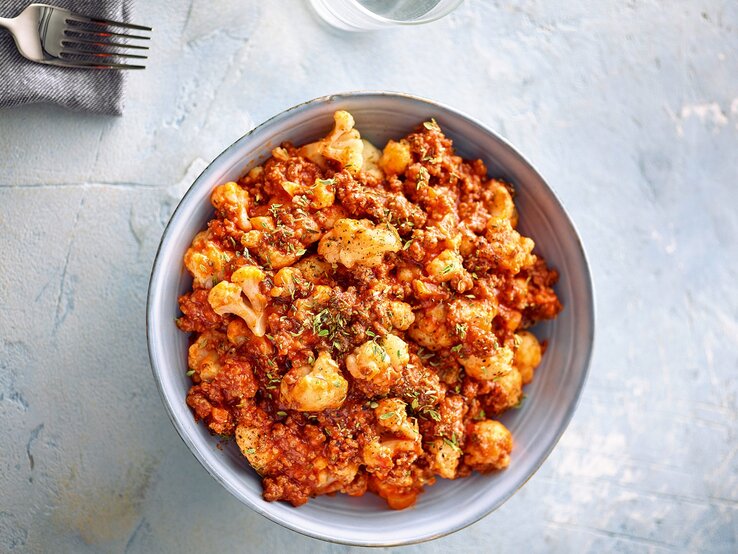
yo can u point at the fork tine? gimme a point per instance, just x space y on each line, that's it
88 53
104 22
95 65
76 40
89 32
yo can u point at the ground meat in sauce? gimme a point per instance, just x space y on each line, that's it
358 320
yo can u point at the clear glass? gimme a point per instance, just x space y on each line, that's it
369 15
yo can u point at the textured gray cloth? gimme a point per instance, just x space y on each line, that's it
25 82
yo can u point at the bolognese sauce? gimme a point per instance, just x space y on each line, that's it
359 317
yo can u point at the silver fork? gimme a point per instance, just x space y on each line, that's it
55 36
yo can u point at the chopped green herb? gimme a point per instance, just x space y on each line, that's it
457 347
389 415
190 373
452 442
301 200
431 125
250 451
301 252
325 181
423 177
282 414
435 416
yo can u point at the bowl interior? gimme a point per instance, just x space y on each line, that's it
446 506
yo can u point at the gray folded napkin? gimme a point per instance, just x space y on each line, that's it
25 82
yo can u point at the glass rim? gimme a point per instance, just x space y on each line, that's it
450 6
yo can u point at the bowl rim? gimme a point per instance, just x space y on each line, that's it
158 273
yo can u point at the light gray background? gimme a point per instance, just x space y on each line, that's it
628 108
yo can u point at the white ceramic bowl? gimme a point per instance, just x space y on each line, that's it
446 506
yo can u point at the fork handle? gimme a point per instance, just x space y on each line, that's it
9 24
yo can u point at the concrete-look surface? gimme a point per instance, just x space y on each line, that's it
628 108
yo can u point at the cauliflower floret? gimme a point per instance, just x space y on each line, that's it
395 158
358 242
263 223
371 160
396 349
512 251
474 314
379 455
406 273
527 356
379 361
205 261
343 145
368 361
257 447
431 329
268 253
233 202
316 388
488 446
321 193
401 314
238 332
285 281
292 188
492 366
335 478
507 392
306 309
313 269
444 457
444 267
391 414
248 278
500 204
225 298
280 153
276 258
260 225
203 356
